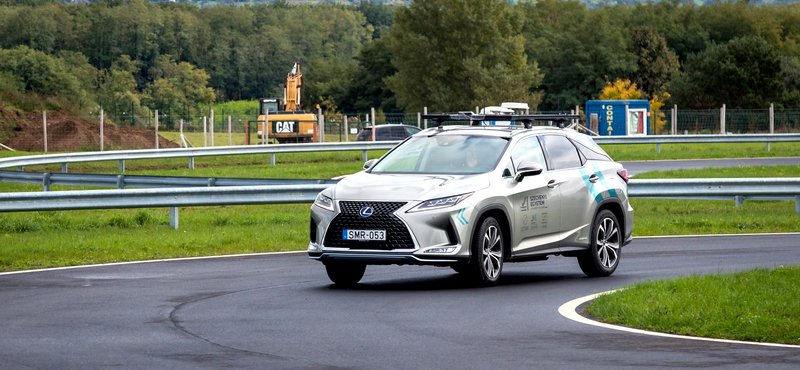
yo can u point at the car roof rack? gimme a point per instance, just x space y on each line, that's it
475 119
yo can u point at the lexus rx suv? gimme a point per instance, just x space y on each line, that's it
473 198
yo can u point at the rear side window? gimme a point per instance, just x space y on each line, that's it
561 153
364 135
591 154
383 133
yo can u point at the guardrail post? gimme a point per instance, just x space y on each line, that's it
212 182
20 169
797 204
191 163
364 156
658 147
46 181
120 181
739 199
121 165
173 217
63 168
272 158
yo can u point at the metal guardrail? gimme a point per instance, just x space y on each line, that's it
65 158
139 181
781 188
122 155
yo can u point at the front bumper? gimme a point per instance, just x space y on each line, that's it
433 237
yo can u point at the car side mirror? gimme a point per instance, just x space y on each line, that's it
368 164
527 168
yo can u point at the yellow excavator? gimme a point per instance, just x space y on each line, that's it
287 123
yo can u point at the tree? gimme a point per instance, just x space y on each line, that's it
367 88
180 86
450 55
743 73
656 62
620 90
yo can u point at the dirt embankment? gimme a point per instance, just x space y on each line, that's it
69 133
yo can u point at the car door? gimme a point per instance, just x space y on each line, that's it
535 206
577 205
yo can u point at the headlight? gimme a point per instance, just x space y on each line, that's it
324 202
439 203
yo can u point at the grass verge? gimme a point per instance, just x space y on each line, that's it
760 305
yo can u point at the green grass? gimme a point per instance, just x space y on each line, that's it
723 172
640 152
761 305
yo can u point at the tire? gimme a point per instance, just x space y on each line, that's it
487 253
345 274
604 252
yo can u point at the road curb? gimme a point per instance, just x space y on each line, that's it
569 310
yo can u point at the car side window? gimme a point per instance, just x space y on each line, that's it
412 130
383 133
561 153
398 133
528 149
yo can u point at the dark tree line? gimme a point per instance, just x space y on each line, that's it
444 54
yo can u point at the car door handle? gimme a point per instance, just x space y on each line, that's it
553 183
593 179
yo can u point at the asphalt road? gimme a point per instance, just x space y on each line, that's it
635 167
281 312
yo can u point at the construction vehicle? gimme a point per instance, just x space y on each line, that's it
287 123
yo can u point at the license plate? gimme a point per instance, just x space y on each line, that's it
364 235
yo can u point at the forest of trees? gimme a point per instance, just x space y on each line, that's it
444 54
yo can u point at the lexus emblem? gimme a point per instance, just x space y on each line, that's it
366 212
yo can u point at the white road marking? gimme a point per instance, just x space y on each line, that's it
569 310
709 235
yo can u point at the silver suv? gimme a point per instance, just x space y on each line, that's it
473 198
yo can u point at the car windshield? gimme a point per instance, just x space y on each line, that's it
444 154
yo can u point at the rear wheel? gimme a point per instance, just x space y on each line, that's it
602 258
487 253
345 273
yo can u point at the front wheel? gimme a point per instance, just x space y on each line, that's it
345 274
487 253
602 258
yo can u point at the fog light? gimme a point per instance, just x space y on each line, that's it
441 250
313 248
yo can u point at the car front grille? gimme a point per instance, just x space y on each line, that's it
382 218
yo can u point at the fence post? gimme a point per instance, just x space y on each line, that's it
229 131
211 128
419 120
181 137
44 123
674 130
374 129
205 131
425 112
771 121
321 124
101 129
156 128
173 217
722 120
346 130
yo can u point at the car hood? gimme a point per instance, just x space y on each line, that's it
394 187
